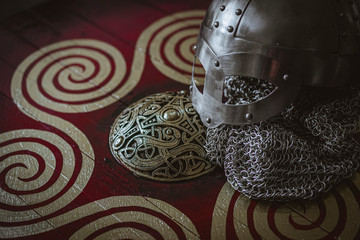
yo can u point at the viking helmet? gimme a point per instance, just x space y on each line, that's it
278 46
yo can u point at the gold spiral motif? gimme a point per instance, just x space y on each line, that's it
330 216
107 227
82 75
74 75
171 49
31 160
336 212
71 76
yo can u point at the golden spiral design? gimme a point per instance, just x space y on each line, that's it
37 169
171 49
71 76
74 76
332 215
129 220
336 212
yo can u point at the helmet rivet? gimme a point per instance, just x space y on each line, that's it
216 24
249 116
230 28
216 63
341 15
222 8
208 120
238 11
286 77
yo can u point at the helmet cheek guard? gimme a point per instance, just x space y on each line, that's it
268 42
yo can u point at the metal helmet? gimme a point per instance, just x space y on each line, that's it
278 44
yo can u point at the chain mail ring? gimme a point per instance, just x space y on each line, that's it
302 152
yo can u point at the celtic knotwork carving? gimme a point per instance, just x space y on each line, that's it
161 137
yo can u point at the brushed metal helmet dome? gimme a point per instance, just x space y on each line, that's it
284 43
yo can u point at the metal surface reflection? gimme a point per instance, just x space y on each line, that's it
286 43
161 137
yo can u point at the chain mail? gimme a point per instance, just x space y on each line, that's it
241 90
297 154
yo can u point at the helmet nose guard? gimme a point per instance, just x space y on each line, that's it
284 43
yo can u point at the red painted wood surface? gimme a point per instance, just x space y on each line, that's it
112 200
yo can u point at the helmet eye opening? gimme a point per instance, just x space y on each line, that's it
242 90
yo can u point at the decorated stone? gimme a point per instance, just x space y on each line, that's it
161 137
